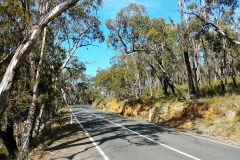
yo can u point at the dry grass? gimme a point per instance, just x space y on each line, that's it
209 117
57 128
3 151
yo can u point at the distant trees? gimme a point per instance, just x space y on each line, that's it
205 41
216 19
133 31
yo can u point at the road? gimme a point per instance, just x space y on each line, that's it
122 138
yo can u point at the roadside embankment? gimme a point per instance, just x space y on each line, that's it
216 118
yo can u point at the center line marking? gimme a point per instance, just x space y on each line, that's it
171 148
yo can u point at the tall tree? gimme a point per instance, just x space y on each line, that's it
128 33
25 47
184 39
27 131
80 28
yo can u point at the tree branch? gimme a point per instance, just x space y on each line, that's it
25 48
216 28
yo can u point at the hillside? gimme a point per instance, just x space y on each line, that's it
216 118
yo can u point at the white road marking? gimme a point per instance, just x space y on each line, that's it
92 140
198 137
171 148
188 134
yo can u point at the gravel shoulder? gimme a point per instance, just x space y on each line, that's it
73 144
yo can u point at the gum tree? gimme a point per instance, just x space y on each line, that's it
25 47
130 32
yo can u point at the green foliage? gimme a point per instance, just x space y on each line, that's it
207 91
3 152
126 27
13 26
114 79
192 6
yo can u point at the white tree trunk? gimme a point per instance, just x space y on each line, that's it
25 48
38 121
64 96
28 126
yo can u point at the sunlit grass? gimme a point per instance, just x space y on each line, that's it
3 151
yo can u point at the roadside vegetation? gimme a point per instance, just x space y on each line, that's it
59 128
213 116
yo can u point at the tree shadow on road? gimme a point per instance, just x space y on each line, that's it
103 131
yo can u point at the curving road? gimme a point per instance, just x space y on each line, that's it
121 138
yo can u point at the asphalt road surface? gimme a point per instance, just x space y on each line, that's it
120 138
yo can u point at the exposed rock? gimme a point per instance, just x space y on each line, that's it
231 115
218 120
114 107
167 111
136 110
127 111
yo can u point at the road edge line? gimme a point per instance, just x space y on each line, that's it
164 145
177 131
183 133
92 140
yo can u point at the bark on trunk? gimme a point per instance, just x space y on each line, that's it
167 77
234 77
165 86
196 68
38 121
171 82
196 78
64 97
9 140
25 48
149 79
17 134
27 132
191 87
172 88
224 70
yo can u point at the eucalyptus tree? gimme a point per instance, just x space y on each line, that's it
28 125
29 42
130 32
220 16
161 39
184 38
208 11
80 27
28 22
133 73
25 47
119 80
72 80
13 27
102 80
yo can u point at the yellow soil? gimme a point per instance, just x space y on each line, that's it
201 117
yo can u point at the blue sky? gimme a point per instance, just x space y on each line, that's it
99 57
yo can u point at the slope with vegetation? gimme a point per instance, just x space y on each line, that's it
215 118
